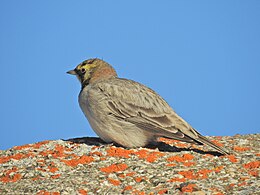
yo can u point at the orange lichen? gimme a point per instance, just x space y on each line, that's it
21 156
177 180
17 156
81 160
218 169
44 192
130 174
252 165
181 145
153 156
4 159
35 178
39 144
58 152
241 149
82 192
142 153
55 176
175 158
168 141
183 159
122 175
22 147
171 165
217 143
114 168
148 156
16 177
200 174
10 177
258 154
52 169
188 164
119 152
188 156
128 188
188 174
203 173
254 173
232 158
114 182
188 188
138 192
85 159
139 179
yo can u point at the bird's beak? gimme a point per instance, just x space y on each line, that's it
73 72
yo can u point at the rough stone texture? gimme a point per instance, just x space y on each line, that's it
89 166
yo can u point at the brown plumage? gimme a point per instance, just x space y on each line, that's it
127 112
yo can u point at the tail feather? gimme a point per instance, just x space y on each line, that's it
206 141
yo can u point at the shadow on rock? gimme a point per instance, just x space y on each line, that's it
162 147
92 141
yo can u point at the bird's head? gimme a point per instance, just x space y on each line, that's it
92 70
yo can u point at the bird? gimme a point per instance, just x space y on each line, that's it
128 113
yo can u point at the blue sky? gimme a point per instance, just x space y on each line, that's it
203 57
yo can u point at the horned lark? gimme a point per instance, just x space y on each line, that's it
126 112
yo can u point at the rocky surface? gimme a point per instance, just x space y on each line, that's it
89 166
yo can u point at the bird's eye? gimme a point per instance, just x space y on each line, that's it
83 70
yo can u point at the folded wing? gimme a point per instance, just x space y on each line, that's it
139 105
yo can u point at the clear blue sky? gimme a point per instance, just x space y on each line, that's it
203 57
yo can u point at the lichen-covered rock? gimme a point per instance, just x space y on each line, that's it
89 166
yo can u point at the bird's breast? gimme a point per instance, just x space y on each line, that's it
91 105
